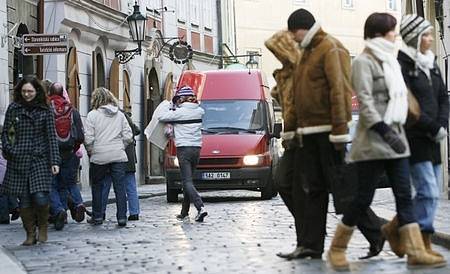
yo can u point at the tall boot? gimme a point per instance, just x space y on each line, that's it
390 232
418 257
427 243
29 224
336 254
42 220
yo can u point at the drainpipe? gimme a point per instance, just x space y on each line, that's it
219 32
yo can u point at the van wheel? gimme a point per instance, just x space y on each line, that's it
172 195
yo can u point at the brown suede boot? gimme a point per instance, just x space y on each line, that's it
418 257
427 243
42 220
336 254
29 224
390 232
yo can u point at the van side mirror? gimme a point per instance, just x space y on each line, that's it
277 130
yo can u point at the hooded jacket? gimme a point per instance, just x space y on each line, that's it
432 97
285 49
322 89
186 120
107 133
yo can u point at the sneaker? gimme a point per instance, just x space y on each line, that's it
201 215
60 219
79 213
182 217
122 222
92 221
134 217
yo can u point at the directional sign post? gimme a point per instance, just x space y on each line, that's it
40 44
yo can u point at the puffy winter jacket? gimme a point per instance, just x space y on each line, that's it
187 124
107 133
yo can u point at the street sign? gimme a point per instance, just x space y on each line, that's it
45 49
43 44
44 38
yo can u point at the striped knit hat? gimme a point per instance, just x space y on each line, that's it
412 27
184 91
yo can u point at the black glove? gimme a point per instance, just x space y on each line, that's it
390 137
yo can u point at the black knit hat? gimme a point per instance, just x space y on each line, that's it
300 19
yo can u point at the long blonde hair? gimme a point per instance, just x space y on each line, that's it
102 96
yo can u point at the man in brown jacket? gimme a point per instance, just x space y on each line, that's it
322 100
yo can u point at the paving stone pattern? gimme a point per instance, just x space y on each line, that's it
241 235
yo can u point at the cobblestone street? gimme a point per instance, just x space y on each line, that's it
241 235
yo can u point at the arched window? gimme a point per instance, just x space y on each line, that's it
98 70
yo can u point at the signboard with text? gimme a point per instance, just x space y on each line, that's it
43 44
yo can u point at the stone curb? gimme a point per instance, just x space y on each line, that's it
140 196
9 263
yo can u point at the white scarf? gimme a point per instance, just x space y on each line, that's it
397 109
310 35
425 61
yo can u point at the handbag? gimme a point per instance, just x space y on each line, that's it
413 110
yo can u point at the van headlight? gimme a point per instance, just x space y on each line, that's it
252 160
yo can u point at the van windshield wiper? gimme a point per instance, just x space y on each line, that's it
218 129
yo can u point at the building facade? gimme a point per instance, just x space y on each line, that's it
98 28
343 19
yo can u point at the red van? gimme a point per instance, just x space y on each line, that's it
239 132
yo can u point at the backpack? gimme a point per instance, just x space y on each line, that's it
64 125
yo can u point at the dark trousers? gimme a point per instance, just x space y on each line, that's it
188 158
116 172
36 199
289 189
369 173
315 163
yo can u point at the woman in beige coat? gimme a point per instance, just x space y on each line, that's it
380 145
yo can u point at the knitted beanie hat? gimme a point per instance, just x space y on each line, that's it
412 27
300 19
184 91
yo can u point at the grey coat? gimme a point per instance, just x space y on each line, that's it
373 96
31 148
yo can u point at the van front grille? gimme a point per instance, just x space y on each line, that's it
218 161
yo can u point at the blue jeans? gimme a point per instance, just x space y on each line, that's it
64 184
40 198
369 173
7 203
132 195
116 174
188 158
425 178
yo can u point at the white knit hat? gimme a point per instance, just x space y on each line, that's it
412 27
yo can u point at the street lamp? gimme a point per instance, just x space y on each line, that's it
136 22
252 63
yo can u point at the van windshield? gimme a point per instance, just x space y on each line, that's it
233 115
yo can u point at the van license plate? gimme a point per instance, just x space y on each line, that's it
216 175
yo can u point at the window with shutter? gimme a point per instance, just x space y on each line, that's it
195 12
73 80
114 77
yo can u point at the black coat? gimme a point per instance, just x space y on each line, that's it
31 148
130 150
432 97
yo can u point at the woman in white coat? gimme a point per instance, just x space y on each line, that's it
107 133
